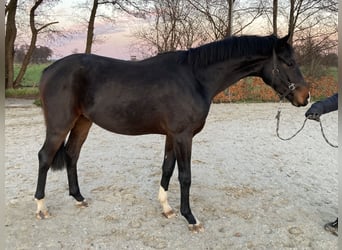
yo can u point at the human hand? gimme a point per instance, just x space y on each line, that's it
313 113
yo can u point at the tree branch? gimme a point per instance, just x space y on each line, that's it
46 25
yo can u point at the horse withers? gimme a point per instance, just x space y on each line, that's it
167 94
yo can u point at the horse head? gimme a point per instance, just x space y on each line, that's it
282 73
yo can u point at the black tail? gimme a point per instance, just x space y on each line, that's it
59 161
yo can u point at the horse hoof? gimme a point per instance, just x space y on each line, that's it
41 215
170 214
196 228
82 204
330 227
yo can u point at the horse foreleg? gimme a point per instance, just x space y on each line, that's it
73 146
182 146
168 167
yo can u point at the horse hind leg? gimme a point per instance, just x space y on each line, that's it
167 168
53 153
48 156
77 137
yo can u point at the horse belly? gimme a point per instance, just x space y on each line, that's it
134 122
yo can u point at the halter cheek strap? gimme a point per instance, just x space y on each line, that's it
275 72
292 87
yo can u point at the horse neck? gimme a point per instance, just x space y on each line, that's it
219 76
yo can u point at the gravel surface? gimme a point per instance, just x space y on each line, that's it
249 189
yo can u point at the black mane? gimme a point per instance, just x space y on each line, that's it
228 48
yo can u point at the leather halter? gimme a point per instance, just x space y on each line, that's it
275 72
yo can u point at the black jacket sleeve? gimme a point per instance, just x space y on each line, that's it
329 104
325 106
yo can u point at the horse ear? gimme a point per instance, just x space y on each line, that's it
286 39
282 42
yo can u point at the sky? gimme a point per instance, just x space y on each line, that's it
112 39
114 43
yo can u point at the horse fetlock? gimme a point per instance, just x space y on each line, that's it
82 204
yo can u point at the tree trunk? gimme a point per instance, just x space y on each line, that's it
291 21
229 31
32 45
27 57
275 16
90 33
10 36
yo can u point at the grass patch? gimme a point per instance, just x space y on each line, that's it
32 74
38 102
319 71
332 71
30 92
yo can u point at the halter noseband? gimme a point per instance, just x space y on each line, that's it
275 71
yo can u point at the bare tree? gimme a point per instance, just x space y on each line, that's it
312 26
131 7
330 5
305 14
246 13
173 25
174 30
34 35
10 36
312 49
227 17
218 15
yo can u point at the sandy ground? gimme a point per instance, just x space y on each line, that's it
249 189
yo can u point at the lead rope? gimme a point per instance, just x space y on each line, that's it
278 122
325 138
289 138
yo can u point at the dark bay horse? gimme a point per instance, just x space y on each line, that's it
168 94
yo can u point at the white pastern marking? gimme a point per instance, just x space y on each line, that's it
197 222
82 204
42 211
162 196
41 205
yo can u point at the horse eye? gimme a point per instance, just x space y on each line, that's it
289 63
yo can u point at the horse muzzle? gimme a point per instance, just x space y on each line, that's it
300 96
